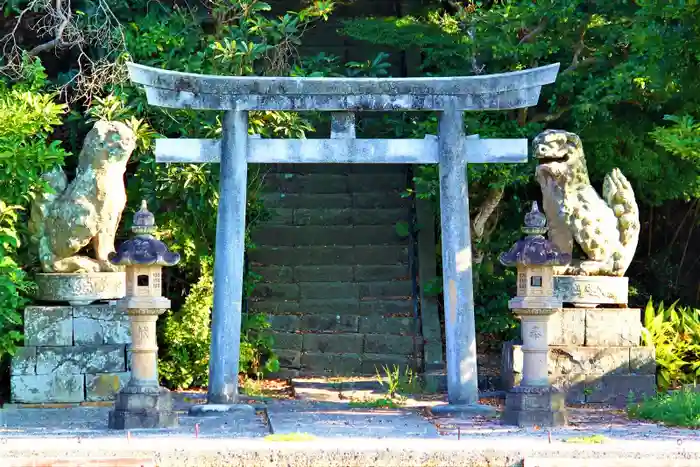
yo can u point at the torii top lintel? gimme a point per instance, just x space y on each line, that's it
502 91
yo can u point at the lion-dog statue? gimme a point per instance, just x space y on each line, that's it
606 229
66 220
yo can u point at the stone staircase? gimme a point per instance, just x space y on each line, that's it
336 280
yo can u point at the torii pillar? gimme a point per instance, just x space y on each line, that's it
450 97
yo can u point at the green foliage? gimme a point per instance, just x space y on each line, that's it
679 408
184 360
27 119
257 357
14 286
624 65
238 37
186 336
675 334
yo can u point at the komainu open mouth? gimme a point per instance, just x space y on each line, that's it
547 160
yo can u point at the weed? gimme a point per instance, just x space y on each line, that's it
381 403
395 383
680 408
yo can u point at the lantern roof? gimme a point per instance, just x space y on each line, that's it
535 249
144 249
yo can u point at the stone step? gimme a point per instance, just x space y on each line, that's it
334 323
342 169
388 309
345 343
333 183
331 364
396 290
317 235
338 216
330 255
372 200
288 274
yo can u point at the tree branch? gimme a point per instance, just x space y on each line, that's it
488 206
57 41
532 34
547 117
578 64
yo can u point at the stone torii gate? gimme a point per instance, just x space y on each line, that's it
451 149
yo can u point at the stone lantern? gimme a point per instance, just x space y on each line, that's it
143 403
535 401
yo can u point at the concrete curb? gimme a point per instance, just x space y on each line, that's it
214 452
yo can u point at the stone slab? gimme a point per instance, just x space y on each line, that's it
23 361
613 327
35 389
100 324
331 421
619 390
104 386
48 325
592 290
81 359
567 327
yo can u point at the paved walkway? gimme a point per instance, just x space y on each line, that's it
307 432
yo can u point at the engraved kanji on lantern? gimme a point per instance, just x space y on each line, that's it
143 403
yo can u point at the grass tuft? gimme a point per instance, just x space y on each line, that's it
680 408
381 403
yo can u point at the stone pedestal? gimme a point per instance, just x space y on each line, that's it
143 403
592 291
71 354
595 356
80 288
535 401
528 406
143 407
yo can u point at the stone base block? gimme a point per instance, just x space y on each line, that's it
143 408
590 374
527 406
530 418
615 327
105 386
38 389
120 420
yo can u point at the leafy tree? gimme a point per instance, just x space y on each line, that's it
624 65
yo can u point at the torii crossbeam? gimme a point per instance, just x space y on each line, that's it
451 149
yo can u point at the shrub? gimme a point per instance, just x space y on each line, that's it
187 336
674 332
27 119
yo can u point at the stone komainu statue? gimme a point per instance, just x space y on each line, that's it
607 228
89 208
